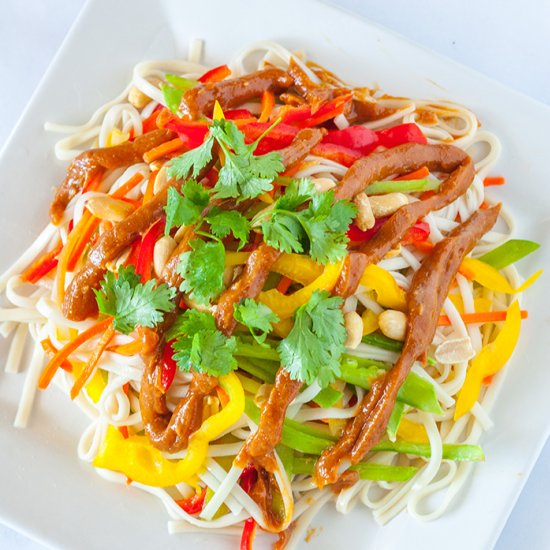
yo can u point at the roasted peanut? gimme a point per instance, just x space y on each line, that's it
365 218
393 324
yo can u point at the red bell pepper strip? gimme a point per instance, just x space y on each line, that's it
42 266
364 141
398 135
249 530
194 504
216 74
337 153
236 114
169 366
358 138
145 259
419 232
279 137
190 133
248 477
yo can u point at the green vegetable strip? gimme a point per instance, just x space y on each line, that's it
180 82
381 341
471 453
403 186
259 372
509 252
373 472
395 420
309 440
327 397
416 391
252 350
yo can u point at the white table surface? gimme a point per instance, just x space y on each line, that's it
504 39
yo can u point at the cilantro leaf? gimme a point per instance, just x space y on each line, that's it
191 163
185 209
131 303
257 317
326 224
202 270
311 352
223 222
201 346
321 228
243 175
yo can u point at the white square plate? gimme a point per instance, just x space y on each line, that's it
51 496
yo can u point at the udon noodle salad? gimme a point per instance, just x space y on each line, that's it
270 290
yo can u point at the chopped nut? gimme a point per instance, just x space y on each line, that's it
365 218
137 98
456 350
107 208
354 328
385 205
393 324
162 252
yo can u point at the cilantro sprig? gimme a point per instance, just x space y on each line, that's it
200 346
243 174
320 228
257 317
311 352
132 303
202 270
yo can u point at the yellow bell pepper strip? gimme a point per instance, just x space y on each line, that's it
298 267
489 361
285 306
136 458
95 385
388 293
412 431
370 322
490 278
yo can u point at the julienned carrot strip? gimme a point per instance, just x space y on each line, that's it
423 246
42 266
268 102
162 150
125 188
131 348
82 241
51 350
93 183
67 253
94 358
284 284
497 180
481 317
65 351
149 190
419 174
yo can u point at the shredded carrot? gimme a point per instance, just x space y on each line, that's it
67 254
83 240
131 348
419 174
222 396
149 190
297 167
94 358
51 350
93 183
126 387
483 205
162 150
480 317
284 284
42 266
65 351
124 431
128 186
268 102
498 180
